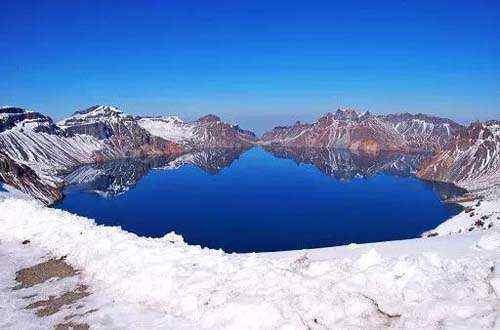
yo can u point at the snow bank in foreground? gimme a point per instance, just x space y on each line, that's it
98 309
480 214
448 282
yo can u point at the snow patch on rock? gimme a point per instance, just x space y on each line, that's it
169 128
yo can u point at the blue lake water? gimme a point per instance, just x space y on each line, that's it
258 201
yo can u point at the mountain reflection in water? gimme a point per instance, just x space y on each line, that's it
262 199
118 176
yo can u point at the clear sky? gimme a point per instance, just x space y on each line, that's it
260 63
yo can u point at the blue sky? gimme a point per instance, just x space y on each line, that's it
259 63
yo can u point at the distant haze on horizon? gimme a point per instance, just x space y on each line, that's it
256 63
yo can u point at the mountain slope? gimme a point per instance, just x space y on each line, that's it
348 129
207 132
368 133
102 133
33 139
471 159
424 132
26 180
121 134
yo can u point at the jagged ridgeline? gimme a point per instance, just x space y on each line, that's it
35 151
464 155
37 154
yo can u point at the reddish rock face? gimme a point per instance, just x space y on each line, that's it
211 132
462 154
472 155
208 119
347 129
33 147
121 135
367 146
369 133
424 132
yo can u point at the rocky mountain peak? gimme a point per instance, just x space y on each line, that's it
13 116
347 114
97 111
494 127
208 119
492 122
98 116
478 130
11 110
471 158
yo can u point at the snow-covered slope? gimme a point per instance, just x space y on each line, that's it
169 128
444 282
205 133
99 134
121 134
470 160
34 142
23 178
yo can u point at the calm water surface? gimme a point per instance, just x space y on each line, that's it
260 201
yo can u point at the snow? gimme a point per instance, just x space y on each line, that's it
47 153
4 116
7 191
100 113
30 144
443 282
169 128
105 314
450 281
487 214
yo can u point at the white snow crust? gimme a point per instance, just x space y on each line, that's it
169 128
443 282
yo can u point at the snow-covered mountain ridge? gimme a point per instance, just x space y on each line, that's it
448 281
466 156
98 134
366 132
471 159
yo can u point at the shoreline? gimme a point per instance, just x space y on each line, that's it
186 286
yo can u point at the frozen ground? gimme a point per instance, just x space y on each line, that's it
482 212
136 282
